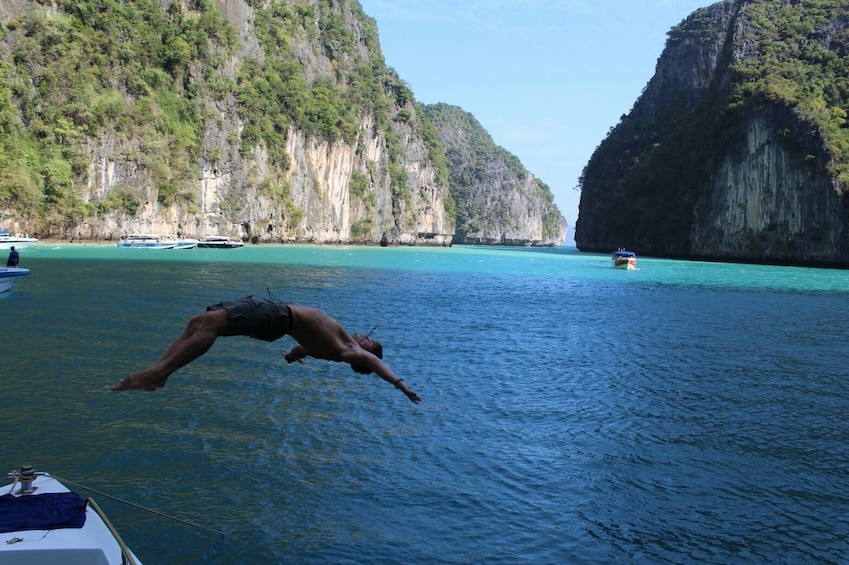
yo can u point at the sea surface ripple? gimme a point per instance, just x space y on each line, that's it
572 413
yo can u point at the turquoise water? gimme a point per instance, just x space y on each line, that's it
684 412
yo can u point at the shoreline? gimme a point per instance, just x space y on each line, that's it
112 242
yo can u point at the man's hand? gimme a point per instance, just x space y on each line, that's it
291 359
143 380
400 384
412 396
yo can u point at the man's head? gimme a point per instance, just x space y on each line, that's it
372 346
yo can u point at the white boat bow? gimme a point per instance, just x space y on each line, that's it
10 276
43 522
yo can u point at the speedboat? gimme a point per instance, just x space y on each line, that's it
622 259
7 240
43 522
10 276
146 241
151 241
219 242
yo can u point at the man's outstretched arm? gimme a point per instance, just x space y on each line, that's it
363 358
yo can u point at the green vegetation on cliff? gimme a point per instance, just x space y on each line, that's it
801 61
144 79
95 66
641 185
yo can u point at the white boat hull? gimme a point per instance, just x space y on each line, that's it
7 240
95 542
143 241
146 245
17 243
10 276
186 244
219 242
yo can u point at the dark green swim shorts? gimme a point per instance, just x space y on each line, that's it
257 317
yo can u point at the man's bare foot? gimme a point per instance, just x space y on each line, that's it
143 380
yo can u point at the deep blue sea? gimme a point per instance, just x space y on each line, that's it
571 413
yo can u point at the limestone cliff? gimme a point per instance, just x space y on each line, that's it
736 150
498 201
269 120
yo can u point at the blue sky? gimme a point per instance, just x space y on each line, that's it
546 78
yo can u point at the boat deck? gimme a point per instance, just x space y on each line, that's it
95 543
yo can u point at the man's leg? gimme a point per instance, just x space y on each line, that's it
196 339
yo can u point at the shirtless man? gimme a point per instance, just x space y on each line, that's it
318 335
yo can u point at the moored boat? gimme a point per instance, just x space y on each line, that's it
10 276
145 241
622 259
219 242
152 241
7 240
42 521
